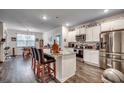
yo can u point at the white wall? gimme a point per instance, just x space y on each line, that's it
12 44
2 45
63 31
64 36
51 34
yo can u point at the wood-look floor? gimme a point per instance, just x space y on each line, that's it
86 74
18 70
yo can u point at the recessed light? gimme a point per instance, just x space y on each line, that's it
57 17
44 17
67 24
106 10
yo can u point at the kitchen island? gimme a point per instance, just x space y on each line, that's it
65 64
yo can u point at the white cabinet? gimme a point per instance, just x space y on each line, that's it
95 57
89 34
96 32
71 36
77 31
92 33
87 57
118 24
91 57
82 30
113 25
106 26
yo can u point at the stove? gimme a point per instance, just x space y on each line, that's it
79 53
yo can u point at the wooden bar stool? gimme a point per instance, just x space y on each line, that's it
36 60
43 68
33 57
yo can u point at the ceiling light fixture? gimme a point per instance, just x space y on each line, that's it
67 24
106 10
44 17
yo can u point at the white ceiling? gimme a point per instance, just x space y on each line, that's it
31 19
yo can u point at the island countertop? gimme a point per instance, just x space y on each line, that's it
61 53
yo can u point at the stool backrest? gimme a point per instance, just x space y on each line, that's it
36 54
32 52
40 56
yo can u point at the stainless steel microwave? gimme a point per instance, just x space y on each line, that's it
81 38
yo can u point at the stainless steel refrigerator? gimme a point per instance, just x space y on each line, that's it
112 50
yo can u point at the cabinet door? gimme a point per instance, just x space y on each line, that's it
71 36
68 37
106 26
95 57
118 24
77 31
91 57
86 56
96 32
89 34
82 31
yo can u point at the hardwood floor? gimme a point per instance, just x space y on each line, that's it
86 74
18 70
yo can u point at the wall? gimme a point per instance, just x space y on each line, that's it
64 36
12 44
2 45
49 36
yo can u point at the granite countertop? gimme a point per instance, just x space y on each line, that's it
62 53
91 49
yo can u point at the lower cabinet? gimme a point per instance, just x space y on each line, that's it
91 57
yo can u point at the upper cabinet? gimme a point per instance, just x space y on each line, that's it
77 31
106 26
113 25
118 24
92 33
96 32
71 36
82 30
89 35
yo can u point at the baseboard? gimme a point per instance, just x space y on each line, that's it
96 65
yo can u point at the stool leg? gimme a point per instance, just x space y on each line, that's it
42 72
32 63
49 69
34 66
54 65
38 71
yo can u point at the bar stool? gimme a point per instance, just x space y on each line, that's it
33 58
44 65
36 60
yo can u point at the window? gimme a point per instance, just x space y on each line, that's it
25 40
